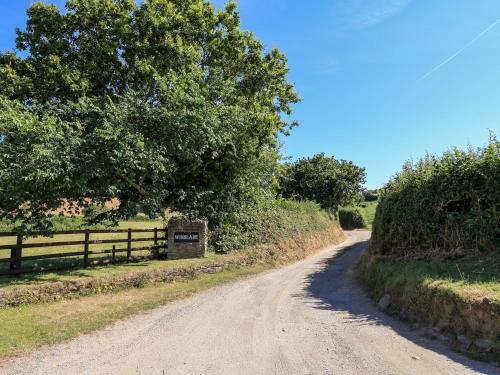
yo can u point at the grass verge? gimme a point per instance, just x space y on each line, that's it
80 304
461 298
28 327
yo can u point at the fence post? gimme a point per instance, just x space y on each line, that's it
113 254
156 251
15 255
129 243
86 247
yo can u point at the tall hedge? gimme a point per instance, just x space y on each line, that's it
442 206
269 222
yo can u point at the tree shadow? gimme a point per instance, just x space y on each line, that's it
335 288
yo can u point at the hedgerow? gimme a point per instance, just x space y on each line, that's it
269 222
442 206
351 218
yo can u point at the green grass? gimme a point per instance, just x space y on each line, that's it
468 279
27 327
98 296
104 271
461 296
368 210
133 224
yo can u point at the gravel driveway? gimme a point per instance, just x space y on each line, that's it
307 318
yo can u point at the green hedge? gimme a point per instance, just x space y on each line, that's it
440 207
269 223
351 218
370 195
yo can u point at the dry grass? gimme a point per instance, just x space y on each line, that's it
44 287
27 327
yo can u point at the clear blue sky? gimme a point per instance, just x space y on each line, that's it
358 66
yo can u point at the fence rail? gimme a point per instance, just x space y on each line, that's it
16 259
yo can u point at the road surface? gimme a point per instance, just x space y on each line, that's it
307 318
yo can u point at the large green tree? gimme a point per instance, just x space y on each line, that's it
328 181
164 105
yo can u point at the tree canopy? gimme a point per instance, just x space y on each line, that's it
330 182
164 105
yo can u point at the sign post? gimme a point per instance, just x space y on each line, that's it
187 239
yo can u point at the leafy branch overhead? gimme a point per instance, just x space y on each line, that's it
164 105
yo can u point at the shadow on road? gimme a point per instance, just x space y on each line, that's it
335 288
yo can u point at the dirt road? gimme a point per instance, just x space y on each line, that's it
307 318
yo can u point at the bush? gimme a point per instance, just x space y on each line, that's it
441 207
370 195
351 218
269 223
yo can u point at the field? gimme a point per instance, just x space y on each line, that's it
368 210
133 224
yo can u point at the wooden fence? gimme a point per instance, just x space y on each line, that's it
80 258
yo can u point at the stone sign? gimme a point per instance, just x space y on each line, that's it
187 239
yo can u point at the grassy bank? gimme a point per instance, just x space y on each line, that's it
28 327
368 211
460 298
47 308
435 248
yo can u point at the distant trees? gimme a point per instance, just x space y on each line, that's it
164 105
371 195
330 182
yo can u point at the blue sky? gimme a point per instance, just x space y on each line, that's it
358 66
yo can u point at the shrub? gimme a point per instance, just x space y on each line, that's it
441 207
351 218
370 195
269 223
